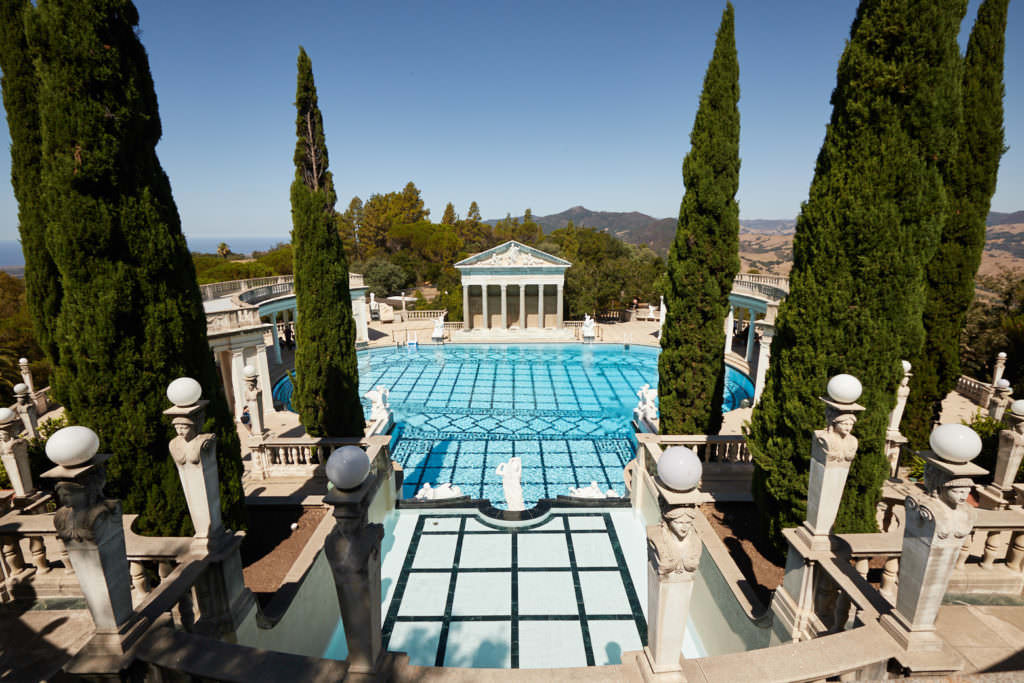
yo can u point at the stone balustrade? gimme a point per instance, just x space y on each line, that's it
769 287
974 390
427 315
237 319
304 456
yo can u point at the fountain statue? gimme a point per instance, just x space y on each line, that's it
380 409
511 473
646 407
446 490
438 333
592 491
588 326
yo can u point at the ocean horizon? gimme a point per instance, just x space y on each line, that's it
11 256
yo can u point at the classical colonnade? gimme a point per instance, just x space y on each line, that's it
520 304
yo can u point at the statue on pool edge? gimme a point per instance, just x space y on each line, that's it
511 474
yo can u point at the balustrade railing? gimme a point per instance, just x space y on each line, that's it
236 319
306 455
723 449
974 390
425 315
772 287
216 290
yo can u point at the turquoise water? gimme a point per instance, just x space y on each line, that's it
564 409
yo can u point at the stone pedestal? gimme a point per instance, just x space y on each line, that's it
1000 401
936 526
195 456
673 556
14 454
92 532
353 550
254 400
26 409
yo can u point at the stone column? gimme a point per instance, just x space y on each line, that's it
996 495
467 322
750 336
14 454
832 452
673 554
26 409
558 306
522 306
277 339
224 365
504 306
237 379
937 524
894 440
353 551
1000 367
91 529
540 306
728 328
263 368
487 322
998 403
765 332
195 456
222 597
26 375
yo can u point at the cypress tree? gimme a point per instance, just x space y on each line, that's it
327 375
970 182
704 257
131 317
20 92
863 238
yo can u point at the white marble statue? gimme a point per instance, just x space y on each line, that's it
647 407
673 546
438 332
379 406
588 326
592 491
446 490
836 441
662 313
511 474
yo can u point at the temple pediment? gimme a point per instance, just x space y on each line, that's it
512 254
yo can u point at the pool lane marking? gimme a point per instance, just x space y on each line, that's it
403 578
442 641
627 580
514 645
588 647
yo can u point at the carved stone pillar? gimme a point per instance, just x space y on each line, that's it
997 371
487 322
277 339
91 529
26 375
467 320
673 555
765 332
263 368
832 452
237 380
504 306
540 307
937 525
26 409
1001 400
558 306
729 319
749 354
894 440
14 454
522 306
996 496
195 456
353 551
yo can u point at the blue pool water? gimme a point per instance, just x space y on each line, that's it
564 409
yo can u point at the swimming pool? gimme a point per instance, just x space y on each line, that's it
564 409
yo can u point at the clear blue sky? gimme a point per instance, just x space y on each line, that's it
512 104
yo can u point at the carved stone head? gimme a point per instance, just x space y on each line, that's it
678 521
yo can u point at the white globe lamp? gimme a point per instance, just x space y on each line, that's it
844 388
72 446
184 391
1017 408
955 443
1001 384
21 388
347 467
679 468
249 372
7 415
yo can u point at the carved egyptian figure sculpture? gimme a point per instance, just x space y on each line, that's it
837 441
674 546
189 447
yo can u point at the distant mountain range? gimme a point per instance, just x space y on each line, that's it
767 244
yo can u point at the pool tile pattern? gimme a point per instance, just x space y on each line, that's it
556 593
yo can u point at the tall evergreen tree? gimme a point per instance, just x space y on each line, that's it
449 217
863 238
970 182
131 317
327 376
704 257
20 87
